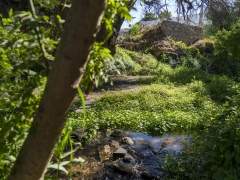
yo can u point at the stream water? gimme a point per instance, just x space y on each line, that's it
144 159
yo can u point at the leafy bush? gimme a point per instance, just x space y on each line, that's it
212 154
227 51
124 62
189 62
180 44
130 62
135 29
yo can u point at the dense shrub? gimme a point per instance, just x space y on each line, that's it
124 62
227 51
214 153
130 62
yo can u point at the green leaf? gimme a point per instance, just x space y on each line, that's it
68 153
10 13
12 158
78 160
218 174
59 166
228 155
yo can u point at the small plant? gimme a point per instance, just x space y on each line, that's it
59 154
135 29
148 50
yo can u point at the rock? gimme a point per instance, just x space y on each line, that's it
78 134
117 133
115 144
127 140
128 158
104 152
151 174
131 151
78 110
204 46
166 47
127 168
73 107
120 153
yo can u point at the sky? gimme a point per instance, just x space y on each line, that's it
137 15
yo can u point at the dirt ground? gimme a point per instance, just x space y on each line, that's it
120 84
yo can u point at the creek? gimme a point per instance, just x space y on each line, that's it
124 155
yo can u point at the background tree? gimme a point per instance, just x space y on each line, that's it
165 14
222 14
149 17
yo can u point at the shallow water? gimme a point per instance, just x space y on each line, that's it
148 153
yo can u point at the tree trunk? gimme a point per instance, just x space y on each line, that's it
201 14
79 34
111 42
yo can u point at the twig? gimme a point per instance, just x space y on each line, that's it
43 50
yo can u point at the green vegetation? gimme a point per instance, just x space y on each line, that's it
182 100
133 63
135 29
27 52
149 16
165 14
179 96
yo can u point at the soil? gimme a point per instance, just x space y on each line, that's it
120 84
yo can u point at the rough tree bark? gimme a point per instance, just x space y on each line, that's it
81 26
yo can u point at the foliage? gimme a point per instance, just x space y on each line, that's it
189 62
210 109
227 42
190 50
113 9
124 62
135 29
133 63
59 153
26 54
222 15
164 14
209 112
210 30
99 65
149 16
227 56
164 107
214 152
21 87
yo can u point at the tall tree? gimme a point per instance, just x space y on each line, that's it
221 13
165 14
149 17
82 25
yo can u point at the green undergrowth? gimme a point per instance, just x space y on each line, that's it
135 63
155 109
177 100
180 101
